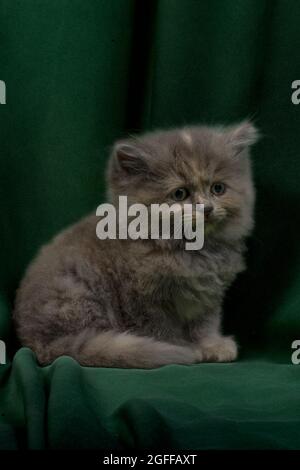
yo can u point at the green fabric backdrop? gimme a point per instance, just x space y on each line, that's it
80 74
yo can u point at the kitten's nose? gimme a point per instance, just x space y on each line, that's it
207 210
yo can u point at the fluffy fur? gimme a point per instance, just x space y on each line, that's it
146 303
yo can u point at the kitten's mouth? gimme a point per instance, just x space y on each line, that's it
209 223
209 228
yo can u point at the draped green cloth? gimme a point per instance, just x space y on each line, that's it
80 74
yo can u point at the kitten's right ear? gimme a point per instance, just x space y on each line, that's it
130 158
242 136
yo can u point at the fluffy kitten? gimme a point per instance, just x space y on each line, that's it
146 303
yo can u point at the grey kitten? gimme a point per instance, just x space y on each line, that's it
146 303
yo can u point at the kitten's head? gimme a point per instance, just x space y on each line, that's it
208 165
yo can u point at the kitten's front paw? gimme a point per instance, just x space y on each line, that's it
218 349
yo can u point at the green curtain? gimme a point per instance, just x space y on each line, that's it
80 74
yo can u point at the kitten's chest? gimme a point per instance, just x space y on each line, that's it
200 287
188 302
197 296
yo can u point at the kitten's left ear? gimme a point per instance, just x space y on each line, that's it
242 136
131 157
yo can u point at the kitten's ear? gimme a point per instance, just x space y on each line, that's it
130 157
242 136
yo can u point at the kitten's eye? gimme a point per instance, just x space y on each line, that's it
218 189
180 194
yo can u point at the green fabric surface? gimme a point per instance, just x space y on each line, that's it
80 74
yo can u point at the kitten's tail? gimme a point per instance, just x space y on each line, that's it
114 349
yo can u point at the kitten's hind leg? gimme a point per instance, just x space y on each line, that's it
115 349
